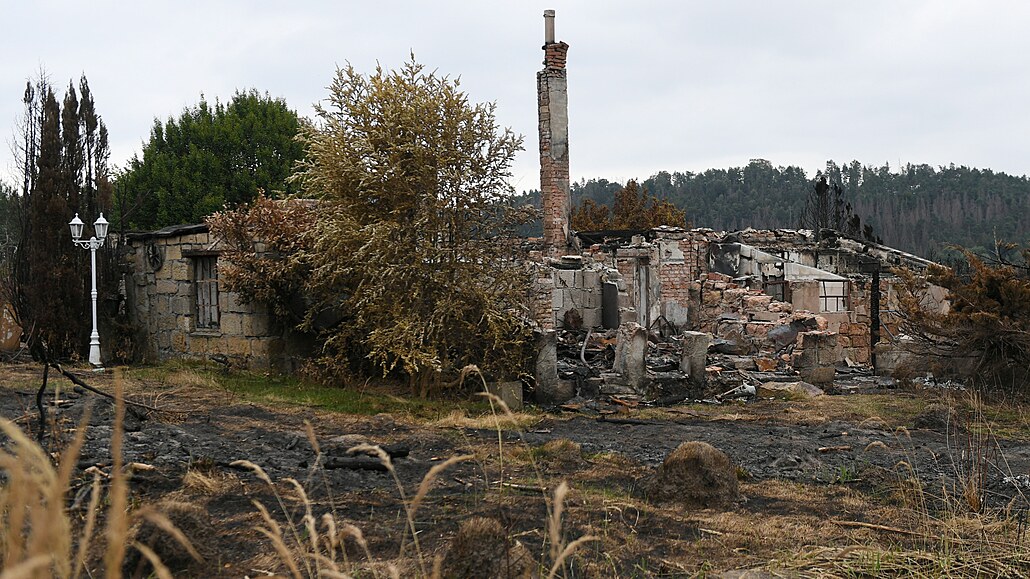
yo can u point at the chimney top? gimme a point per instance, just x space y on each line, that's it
548 26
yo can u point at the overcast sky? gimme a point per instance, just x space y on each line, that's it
656 85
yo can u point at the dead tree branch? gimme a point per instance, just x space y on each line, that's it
78 382
41 406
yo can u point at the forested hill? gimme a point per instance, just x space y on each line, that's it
918 208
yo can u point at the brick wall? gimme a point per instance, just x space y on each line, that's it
552 101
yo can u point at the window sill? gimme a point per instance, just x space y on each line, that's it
207 332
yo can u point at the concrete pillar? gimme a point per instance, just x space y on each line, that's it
553 111
549 388
630 349
816 356
694 356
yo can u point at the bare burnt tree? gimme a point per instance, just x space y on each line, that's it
63 158
826 208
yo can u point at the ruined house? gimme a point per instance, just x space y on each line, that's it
783 297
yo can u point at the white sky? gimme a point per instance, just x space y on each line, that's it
653 84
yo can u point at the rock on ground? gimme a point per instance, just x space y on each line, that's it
938 418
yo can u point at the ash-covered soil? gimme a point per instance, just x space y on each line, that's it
205 430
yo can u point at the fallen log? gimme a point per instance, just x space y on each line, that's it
841 448
636 421
396 450
355 463
392 450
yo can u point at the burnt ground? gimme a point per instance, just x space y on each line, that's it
812 472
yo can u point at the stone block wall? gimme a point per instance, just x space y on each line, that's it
579 290
161 296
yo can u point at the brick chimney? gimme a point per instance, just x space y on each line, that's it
553 106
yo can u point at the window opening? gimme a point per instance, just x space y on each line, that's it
833 296
205 277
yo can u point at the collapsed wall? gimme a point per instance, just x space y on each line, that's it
783 304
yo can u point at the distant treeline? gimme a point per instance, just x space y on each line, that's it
918 208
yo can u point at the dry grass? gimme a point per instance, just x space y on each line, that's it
207 483
315 547
598 524
513 421
311 547
191 378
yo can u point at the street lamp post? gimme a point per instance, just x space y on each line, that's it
92 244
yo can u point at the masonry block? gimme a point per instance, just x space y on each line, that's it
167 286
566 278
591 298
765 316
237 346
591 317
734 295
256 325
510 392
558 299
179 270
711 297
626 300
757 302
179 343
231 324
592 280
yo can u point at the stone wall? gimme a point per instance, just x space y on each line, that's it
161 297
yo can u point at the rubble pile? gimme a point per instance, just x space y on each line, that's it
750 344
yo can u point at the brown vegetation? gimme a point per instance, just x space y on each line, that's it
483 548
633 208
985 333
696 474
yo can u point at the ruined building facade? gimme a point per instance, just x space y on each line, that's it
738 287
179 308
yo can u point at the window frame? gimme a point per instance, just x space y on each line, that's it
206 311
841 301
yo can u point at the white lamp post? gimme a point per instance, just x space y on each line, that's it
100 225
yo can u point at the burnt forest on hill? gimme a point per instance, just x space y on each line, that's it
916 208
